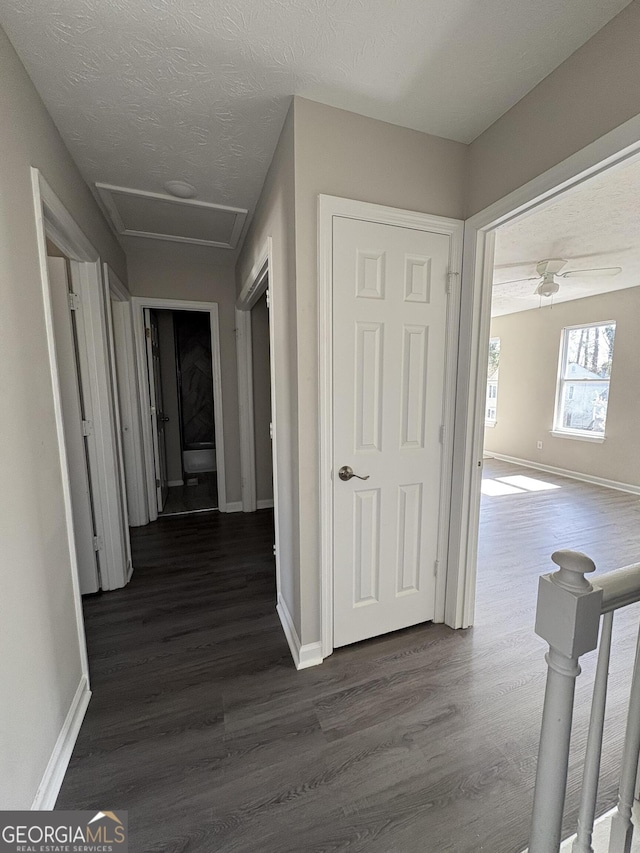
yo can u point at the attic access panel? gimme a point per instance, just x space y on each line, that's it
163 217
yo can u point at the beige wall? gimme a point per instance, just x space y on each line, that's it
170 395
596 89
529 352
344 154
40 658
166 270
275 218
262 398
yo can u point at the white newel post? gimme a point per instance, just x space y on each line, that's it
567 617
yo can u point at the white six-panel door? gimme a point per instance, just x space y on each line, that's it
389 362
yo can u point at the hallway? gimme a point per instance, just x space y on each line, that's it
423 740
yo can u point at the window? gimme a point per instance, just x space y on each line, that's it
492 382
586 354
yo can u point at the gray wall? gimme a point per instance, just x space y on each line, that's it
40 658
596 89
262 398
529 352
344 154
165 270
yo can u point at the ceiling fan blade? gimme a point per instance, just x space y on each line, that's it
515 281
601 271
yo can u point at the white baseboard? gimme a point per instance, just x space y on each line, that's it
303 656
232 506
175 483
49 787
267 503
573 475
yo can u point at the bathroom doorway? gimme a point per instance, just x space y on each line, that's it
179 371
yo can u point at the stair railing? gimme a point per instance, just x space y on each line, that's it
571 613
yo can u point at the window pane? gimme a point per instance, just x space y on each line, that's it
584 406
589 352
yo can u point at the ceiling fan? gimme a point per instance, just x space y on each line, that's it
549 270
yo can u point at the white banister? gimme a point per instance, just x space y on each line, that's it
621 824
619 588
568 617
586 816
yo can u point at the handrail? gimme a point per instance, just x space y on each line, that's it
619 588
568 616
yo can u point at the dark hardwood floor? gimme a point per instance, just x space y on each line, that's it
424 740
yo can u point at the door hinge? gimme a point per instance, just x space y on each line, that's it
87 428
268 295
450 276
147 332
436 567
157 483
442 434
98 544
271 431
274 550
74 301
152 409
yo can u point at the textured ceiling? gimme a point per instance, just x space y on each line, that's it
594 225
145 91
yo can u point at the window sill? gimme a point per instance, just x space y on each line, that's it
578 436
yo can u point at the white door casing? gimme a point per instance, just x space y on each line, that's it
75 440
156 411
389 354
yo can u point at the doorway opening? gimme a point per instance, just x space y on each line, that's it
180 389
552 268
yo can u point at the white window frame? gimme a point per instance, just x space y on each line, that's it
560 431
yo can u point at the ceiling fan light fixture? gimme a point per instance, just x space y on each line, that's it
548 286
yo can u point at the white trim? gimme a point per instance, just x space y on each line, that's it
127 377
303 656
172 483
614 148
265 503
107 191
234 506
51 782
256 282
138 304
577 436
244 349
572 475
113 286
328 208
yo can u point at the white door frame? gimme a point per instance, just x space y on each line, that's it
328 208
259 279
126 377
138 304
614 148
54 221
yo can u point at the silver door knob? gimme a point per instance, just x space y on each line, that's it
347 473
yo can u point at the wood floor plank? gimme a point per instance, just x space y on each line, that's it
423 740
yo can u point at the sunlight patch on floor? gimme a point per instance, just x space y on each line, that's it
517 484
